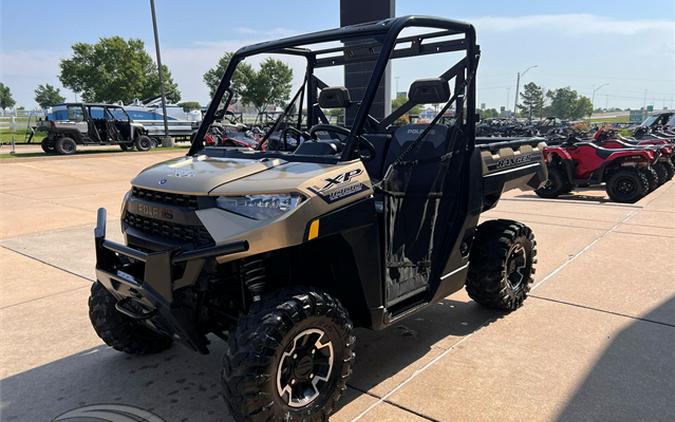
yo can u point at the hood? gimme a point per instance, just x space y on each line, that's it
200 175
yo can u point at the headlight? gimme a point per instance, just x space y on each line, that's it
260 207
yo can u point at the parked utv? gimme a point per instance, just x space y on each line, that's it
282 252
75 124
573 164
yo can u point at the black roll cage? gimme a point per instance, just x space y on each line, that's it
385 32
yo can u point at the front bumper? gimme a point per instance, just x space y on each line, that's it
148 280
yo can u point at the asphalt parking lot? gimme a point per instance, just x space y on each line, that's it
596 339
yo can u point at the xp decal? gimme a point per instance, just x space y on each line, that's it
338 187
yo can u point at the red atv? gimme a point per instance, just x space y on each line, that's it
232 135
573 164
657 174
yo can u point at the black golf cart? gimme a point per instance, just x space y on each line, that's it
72 124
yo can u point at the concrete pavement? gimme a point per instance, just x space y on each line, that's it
596 339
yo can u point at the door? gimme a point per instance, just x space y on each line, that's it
420 191
97 126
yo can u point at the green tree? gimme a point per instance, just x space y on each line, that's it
46 95
532 100
115 69
567 104
213 76
190 105
269 85
582 107
398 102
489 113
6 99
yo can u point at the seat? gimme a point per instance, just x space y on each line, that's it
601 152
316 148
432 146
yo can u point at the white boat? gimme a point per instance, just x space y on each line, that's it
181 124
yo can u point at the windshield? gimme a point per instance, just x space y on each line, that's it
649 121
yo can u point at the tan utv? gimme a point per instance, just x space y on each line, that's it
282 252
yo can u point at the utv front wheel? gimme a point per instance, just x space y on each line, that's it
119 331
627 185
143 143
66 146
503 258
289 358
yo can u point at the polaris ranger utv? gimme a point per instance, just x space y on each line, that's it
282 252
75 124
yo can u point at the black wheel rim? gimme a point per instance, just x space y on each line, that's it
305 368
516 266
625 186
68 147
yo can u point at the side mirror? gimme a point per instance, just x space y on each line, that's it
429 91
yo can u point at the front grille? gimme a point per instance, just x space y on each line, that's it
175 199
198 236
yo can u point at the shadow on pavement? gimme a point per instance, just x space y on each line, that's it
180 385
577 197
634 379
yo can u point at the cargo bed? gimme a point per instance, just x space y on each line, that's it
511 163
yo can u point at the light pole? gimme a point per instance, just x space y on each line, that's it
167 142
515 104
593 98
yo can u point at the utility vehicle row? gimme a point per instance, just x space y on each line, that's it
629 167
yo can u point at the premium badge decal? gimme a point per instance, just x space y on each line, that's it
338 187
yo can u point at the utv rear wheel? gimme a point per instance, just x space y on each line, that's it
555 184
119 331
143 143
503 258
289 358
652 178
66 146
627 185
662 171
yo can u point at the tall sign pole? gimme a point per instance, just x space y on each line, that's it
167 141
358 75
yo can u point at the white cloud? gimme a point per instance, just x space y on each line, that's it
576 24
560 44
274 32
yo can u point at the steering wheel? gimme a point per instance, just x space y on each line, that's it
284 135
366 155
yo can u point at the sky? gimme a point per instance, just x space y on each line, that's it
629 45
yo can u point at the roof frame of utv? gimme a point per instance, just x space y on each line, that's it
385 33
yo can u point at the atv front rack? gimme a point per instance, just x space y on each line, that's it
144 282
